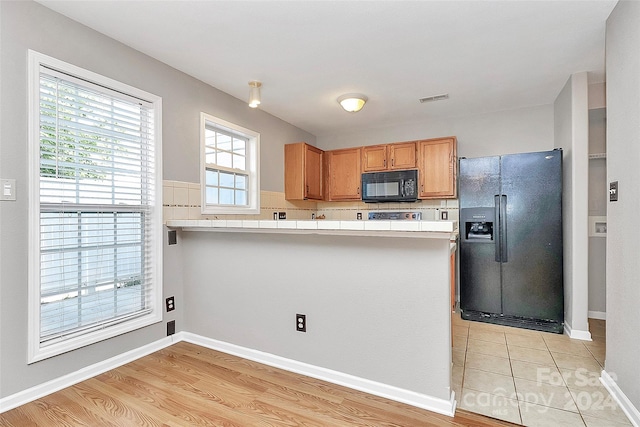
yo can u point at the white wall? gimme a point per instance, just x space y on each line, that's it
21 28
598 199
623 156
504 132
377 307
597 96
571 124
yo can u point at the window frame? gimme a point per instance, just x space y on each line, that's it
37 351
252 167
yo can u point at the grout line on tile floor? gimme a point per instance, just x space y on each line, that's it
562 346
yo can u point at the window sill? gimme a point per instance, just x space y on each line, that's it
42 353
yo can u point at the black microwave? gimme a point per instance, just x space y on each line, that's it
394 186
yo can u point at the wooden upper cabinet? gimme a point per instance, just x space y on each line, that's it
389 157
403 155
343 174
303 177
437 168
374 158
313 174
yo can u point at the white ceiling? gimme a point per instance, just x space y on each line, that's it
488 55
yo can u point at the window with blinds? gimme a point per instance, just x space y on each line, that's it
96 181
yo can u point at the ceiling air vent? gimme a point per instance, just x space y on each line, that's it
434 98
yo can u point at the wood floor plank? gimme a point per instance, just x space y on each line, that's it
225 400
155 396
71 404
187 403
111 403
324 414
188 385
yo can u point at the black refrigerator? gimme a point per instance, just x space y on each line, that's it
511 240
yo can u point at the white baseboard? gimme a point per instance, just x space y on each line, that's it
577 334
441 406
41 390
621 399
600 315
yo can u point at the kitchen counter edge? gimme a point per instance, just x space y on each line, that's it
411 229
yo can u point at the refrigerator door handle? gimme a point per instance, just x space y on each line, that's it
497 240
503 228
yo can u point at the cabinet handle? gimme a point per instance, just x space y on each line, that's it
307 188
392 162
384 163
358 190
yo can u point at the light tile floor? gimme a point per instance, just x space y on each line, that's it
532 378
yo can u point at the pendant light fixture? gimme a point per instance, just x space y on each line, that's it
254 93
352 102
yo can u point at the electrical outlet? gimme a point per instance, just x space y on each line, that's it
172 237
613 191
444 215
301 322
171 304
171 327
282 215
359 215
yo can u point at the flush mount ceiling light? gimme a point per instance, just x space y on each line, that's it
254 93
352 102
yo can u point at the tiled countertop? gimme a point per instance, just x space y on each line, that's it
415 229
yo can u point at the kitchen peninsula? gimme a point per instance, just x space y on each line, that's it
376 297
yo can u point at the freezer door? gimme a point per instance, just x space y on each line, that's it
479 271
479 181
479 278
532 282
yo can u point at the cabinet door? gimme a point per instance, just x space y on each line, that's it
313 173
374 158
344 174
437 168
403 155
302 172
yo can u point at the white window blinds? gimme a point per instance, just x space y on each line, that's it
97 200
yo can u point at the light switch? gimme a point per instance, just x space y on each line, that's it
7 189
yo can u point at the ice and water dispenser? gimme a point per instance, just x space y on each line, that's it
478 224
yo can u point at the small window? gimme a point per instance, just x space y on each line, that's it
230 159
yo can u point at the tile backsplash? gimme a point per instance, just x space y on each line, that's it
430 209
182 200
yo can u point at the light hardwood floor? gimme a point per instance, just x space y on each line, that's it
188 385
